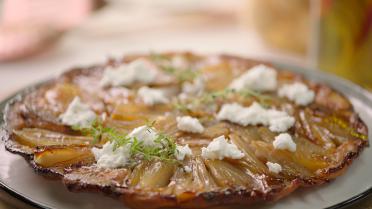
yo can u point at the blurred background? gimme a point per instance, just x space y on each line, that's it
40 38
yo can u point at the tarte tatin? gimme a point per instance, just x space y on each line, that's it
179 130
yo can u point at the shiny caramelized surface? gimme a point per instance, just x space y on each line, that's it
327 132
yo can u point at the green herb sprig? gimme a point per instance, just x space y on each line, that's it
247 93
96 130
165 65
211 97
164 148
181 106
264 100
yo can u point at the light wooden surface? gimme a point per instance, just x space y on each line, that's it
112 32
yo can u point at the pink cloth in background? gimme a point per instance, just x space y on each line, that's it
28 27
63 14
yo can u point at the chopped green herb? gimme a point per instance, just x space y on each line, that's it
264 100
181 107
96 130
165 65
182 75
211 97
158 57
186 75
164 149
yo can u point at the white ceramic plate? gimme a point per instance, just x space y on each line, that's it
19 179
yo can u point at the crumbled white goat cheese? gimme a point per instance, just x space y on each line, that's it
187 169
194 88
258 78
139 70
182 152
108 158
253 115
152 96
220 148
284 142
274 167
189 124
144 134
278 121
298 93
78 114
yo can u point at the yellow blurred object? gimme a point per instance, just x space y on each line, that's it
345 39
335 35
284 24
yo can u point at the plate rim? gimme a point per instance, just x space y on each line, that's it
329 79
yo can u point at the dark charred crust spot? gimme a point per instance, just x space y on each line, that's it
209 196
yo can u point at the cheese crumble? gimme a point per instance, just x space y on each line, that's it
274 167
298 93
258 78
189 124
187 169
151 96
196 87
78 114
108 158
277 121
139 70
220 148
284 142
182 152
144 134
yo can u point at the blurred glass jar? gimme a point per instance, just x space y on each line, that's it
345 39
334 35
282 23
